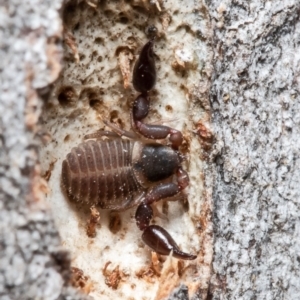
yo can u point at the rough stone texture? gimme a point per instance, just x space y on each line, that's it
255 101
181 293
32 263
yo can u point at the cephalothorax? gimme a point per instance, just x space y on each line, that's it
119 173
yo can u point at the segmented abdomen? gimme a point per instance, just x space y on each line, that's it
100 172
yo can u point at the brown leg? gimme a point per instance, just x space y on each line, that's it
101 133
120 132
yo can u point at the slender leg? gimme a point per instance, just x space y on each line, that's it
120 132
140 111
116 133
155 236
101 133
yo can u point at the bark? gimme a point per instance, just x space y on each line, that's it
255 102
33 264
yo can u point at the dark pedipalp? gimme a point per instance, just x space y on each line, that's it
161 241
140 107
144 73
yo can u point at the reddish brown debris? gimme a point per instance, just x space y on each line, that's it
113 278
124 58
71 43
114 222
169 278
146 273
80 281
165 19
93 222
206 136
48 173
149 273
156 263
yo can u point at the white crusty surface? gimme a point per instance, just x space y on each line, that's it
179 99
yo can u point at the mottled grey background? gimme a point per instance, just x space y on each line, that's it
32 263
255 104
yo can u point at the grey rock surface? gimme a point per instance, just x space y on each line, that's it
32 263
255 102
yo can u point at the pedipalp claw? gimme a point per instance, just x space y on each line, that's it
161 242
